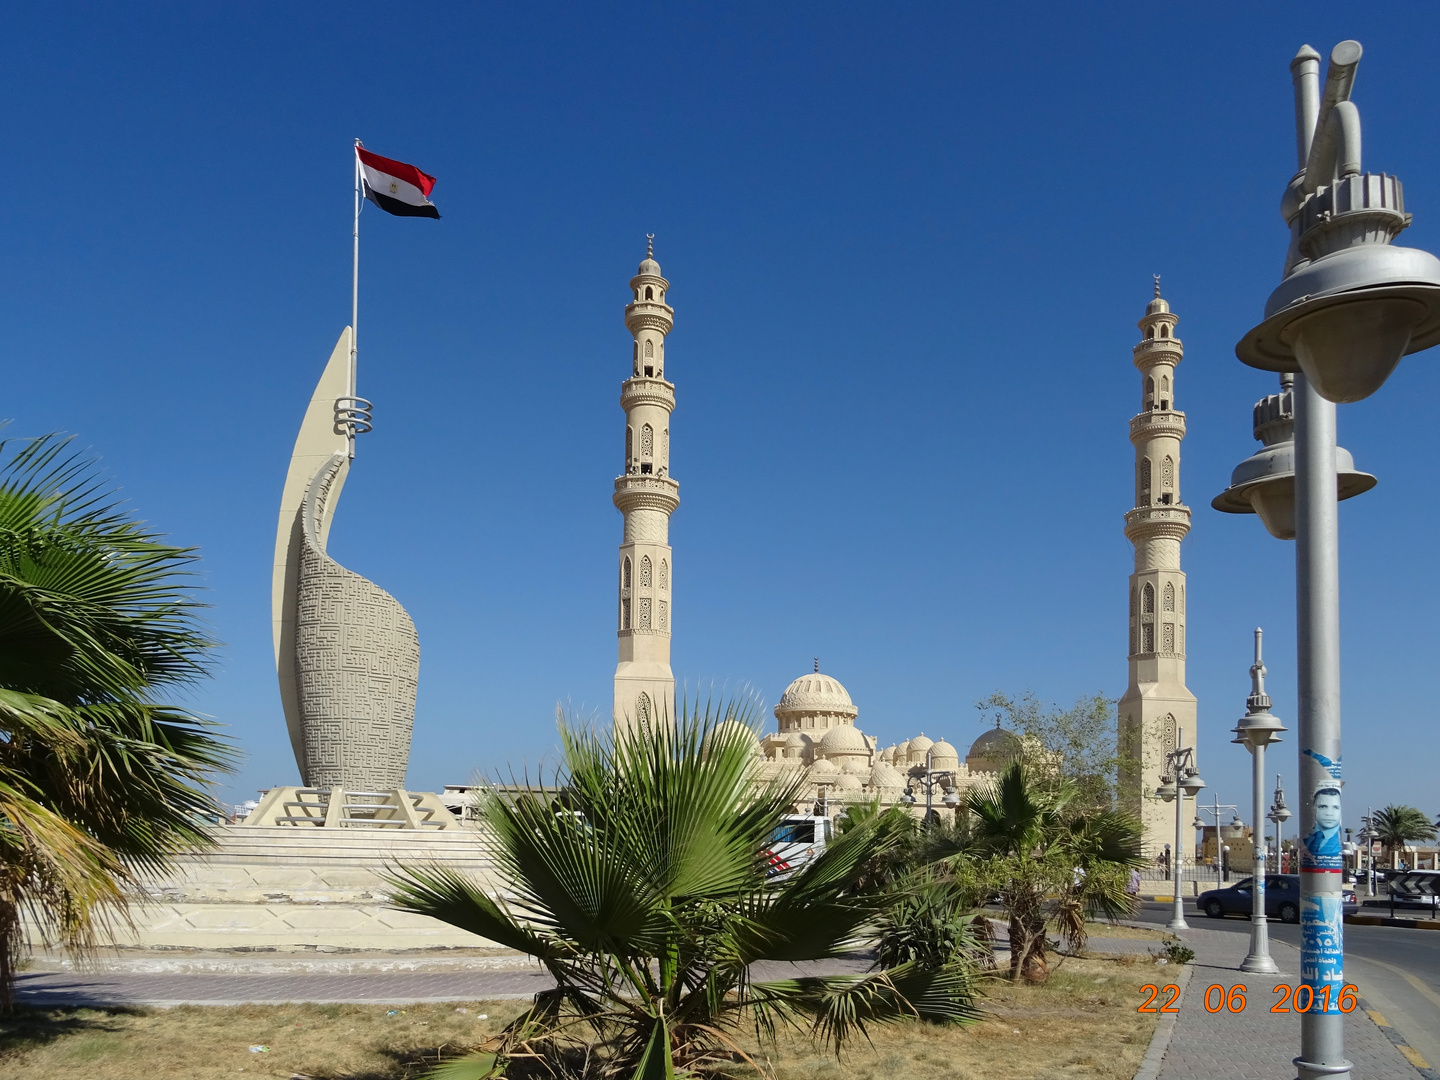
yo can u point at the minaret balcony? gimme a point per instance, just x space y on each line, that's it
642 492
1157 523
649 315
644 390
1159 424
1150 351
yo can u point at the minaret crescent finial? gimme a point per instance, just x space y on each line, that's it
650 247
1157 285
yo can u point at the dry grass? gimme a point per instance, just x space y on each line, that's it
1082 1023
1115 930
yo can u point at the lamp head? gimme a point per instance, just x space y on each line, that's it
1191 783
1166 790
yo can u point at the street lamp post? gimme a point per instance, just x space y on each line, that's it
1349 306
927 777
1181 778
1257 729
1279 814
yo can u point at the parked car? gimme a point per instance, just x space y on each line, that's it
1282 899
796 840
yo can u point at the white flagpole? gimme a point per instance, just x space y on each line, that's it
355 298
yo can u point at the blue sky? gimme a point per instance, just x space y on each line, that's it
908 246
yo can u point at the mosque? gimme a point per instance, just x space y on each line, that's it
817 720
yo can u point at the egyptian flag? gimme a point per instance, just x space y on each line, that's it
395 187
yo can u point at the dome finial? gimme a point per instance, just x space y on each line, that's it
1157 285
817 665
650 253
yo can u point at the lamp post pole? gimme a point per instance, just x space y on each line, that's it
1181 778
1256 730
1351 304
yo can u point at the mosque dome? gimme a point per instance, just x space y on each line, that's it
944 756
822 767
888 755
915 749
844 740
650 267
792 744
993 750
815 693
847 782
886 776
856 766
735 725
1157 307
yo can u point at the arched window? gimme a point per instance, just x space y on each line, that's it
644 606
1149 391
1147 600
1144 498
1165 385
645 571
1150 333
664 615
1182 599
1164 330
1169 597
635 358
1147 638
1134 618
625 573
1167 473
665 446
642 711
664 575
629 446
647 443
649 293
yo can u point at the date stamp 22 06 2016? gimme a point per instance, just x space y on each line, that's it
1302 998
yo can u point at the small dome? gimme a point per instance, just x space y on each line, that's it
815 693
735 725
1156 307
844 739
847 782
886 776
650 267
915 749
856 766
993 750
943 751
823 767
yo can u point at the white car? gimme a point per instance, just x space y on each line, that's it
796 840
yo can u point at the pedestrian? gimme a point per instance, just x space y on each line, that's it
1133 888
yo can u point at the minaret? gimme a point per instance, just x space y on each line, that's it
647 496
1157 703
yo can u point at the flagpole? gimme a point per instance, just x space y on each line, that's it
355 299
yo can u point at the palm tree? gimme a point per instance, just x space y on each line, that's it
1394 826
98 780
1047 859
643 891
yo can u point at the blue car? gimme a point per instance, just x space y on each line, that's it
1282 899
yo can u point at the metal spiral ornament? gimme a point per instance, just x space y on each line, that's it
353 416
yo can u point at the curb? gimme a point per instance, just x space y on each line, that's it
1410 1053
1154 1057
1384 920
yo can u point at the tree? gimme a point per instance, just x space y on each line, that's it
1047 856
1077 744
1395 826
98 780
644 893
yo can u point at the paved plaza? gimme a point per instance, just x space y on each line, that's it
1257 1044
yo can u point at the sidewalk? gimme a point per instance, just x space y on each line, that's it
1255 1044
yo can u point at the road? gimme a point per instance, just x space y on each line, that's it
1397 970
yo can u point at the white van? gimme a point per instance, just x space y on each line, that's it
796 840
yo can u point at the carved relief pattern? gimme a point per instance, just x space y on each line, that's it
1167 640
1169 597
645 571
644 613
357 667
664 615
664 575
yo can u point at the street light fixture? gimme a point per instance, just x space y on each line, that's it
1350 304
1264 483
928 778
1257 729
1279 814
1181 778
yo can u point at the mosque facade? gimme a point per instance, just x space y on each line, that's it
1157 712
817 733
